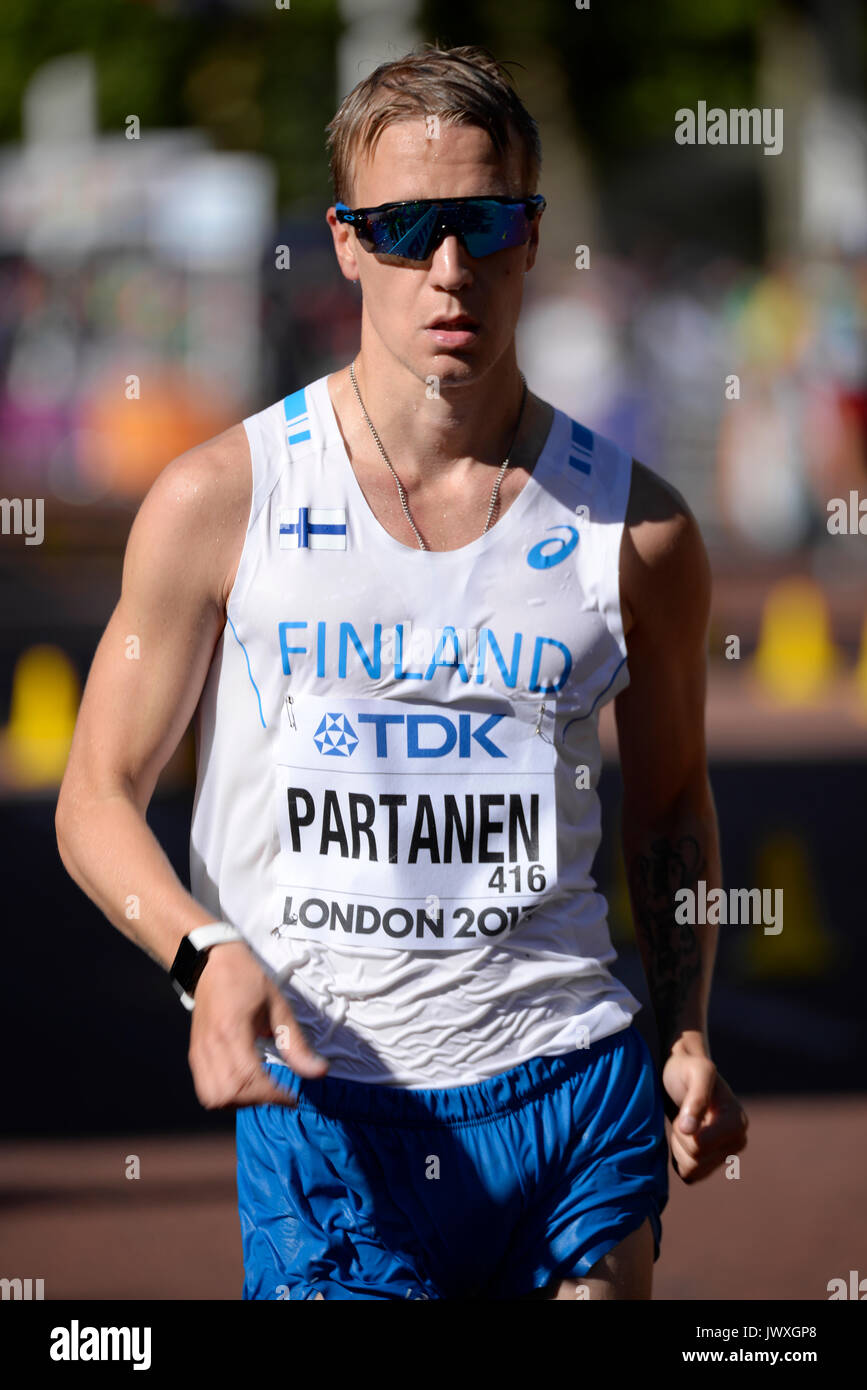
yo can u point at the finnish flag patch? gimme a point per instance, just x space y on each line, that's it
312 528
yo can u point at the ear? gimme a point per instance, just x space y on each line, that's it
533 244
345 245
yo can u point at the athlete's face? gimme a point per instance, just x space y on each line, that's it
403 300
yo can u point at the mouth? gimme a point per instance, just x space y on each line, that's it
456 330
454 322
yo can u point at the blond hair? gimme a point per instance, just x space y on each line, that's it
460 86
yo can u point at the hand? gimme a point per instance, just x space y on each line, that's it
236 1003
707 1122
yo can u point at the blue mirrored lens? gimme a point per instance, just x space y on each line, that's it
406 231
496 230
413 230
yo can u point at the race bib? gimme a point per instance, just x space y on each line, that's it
422 827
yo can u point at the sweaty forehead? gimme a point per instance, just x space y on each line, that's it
416 158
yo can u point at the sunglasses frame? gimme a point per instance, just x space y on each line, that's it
534 205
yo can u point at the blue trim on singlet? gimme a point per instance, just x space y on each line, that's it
249 672
295 411
582 441
578 717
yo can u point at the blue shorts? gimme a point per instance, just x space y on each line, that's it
483 1191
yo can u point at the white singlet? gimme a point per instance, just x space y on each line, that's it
397 758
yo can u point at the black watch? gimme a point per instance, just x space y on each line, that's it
192 956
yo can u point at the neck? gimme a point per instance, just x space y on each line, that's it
426 435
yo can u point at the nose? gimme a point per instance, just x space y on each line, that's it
450 265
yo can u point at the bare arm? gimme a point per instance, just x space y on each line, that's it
670 833
143 687
144 684
670 836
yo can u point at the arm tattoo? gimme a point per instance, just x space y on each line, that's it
672 953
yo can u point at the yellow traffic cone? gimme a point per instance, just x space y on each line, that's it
619 903
45 698
795 659
859 677
804 948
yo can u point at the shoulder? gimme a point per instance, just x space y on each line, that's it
664 568
215 473
195 515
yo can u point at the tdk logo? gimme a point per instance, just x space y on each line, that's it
417 735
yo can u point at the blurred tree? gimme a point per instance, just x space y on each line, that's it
626 66
255 79
605 81
620 73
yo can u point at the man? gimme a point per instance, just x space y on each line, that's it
395 603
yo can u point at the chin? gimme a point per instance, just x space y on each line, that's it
451 372
456 363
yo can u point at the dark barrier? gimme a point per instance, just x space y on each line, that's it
95 1039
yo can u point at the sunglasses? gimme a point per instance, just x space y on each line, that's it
412 231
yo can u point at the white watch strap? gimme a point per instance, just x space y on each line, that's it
212 934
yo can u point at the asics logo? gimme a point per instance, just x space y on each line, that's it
553 549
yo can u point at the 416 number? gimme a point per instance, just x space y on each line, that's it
535 878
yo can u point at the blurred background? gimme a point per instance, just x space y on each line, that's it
154 157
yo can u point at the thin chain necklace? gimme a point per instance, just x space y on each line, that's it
495 491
